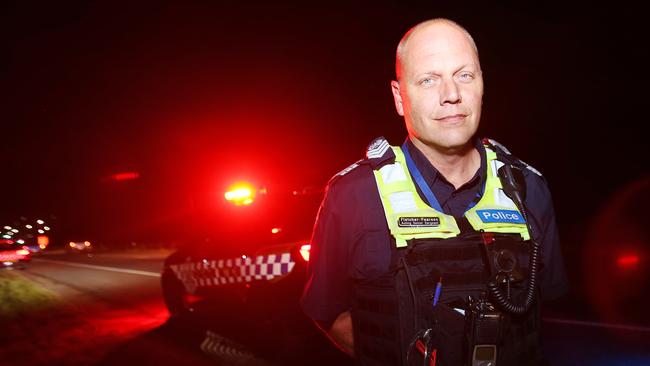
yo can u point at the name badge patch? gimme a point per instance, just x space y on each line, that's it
418 222
501 216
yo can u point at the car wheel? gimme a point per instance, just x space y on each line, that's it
174 294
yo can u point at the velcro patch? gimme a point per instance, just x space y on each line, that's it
418 222
488 216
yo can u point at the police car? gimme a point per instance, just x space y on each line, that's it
244 282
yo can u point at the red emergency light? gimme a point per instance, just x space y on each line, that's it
240 194
125 176
629 261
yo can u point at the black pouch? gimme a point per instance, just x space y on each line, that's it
449 334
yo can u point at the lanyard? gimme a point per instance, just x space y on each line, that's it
419 179
424 187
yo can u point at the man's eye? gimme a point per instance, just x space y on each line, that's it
466 76
426 81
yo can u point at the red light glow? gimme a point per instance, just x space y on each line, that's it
125 176
275 230
628 261
304 251
241 194
190 300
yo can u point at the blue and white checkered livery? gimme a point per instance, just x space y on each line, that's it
234 270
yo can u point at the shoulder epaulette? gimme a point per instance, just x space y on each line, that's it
503 151
349 168
378 152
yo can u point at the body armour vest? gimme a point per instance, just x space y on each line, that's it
393 311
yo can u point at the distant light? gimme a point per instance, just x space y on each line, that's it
125 176
28 226
628 261
20 241
41 231
46 228
22 252
240 194
276 230
42 241
304 251
8 228
6 236
40 222
14 230
244 256
87 243
10 233
71 244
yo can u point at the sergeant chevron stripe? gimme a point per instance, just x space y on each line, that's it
378 150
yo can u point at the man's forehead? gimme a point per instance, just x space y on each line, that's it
439 44
438 38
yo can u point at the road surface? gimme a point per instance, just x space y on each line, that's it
112 313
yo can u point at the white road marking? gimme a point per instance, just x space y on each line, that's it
103 268
637 328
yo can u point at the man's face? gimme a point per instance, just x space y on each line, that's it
440 90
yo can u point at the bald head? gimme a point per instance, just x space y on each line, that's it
424 29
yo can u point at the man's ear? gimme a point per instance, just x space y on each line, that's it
397 97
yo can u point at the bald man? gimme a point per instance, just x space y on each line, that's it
436 244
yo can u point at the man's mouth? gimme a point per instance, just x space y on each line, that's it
452 118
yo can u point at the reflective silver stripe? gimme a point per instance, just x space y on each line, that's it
392 173
501 199
497 144
402 202
505 150
531 168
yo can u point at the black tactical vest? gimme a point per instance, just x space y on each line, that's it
391 310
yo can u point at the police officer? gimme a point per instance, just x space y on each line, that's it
441 249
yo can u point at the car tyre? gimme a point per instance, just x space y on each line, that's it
174 295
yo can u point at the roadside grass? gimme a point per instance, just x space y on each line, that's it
19 296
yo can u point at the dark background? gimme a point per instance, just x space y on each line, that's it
193 95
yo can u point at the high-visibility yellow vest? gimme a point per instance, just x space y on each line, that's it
409 217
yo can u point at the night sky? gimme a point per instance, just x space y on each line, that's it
192 95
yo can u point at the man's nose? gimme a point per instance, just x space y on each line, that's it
449 92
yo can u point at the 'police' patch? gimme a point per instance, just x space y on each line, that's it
500 216
418 222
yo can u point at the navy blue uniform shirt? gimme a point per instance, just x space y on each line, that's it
351 240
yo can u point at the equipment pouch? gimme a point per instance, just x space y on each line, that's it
449 333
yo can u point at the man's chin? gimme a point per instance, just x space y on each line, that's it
452 144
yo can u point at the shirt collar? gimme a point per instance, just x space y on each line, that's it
431 175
